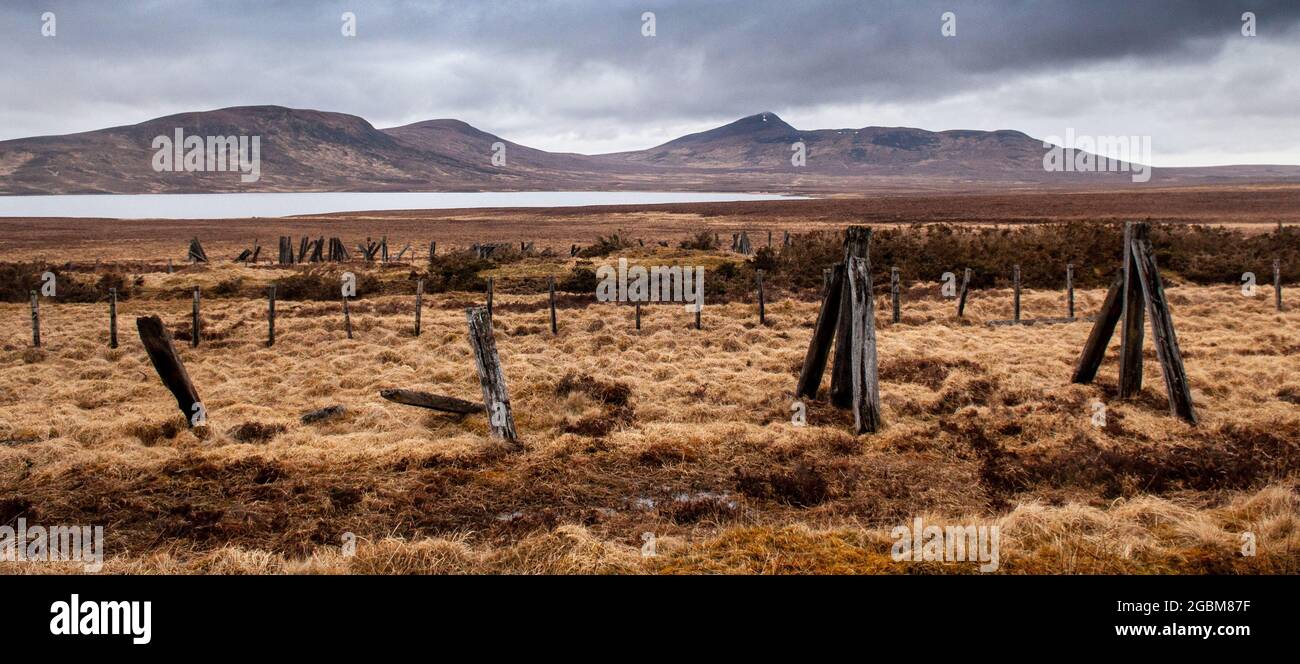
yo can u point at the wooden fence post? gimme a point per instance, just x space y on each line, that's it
112 318
857 243
1162 330
698 311
270 316
501 421
1130 353
961 297
1277 283
347 317
158 344
895 293
862 315
762 301
638 315
36 321
826 278
1015 278
786 241
819 347
419 304
489 297
550 289
1095 348
195 321
1069 290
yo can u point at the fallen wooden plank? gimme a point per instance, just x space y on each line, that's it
432 401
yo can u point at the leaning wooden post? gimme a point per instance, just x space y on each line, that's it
270 316
862 321
112 318
36 321
1069 290
762 301
158 344
1095 348
857 243
819 347
1130 352
1162 330
347 317
419 304
1277 283
194 321
895 293
501 421
961 297
1015 278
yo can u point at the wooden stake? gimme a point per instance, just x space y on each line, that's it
961 297
895 293
112 318
158 344
1095 348
762 301
862 315
1277 283
550 288
195 321
819 347
857 243
1015 278
270 316
501 421
1069 290
1162 330
638 315
419 304
347 317
489 297
1130 353
36 321
698 310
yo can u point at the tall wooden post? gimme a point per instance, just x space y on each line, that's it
1162 330
550 290
270 316
1015 278
857 243
419 304
1277 283
347 317
501 421
961 297
195 321
862 315
112 318
762 301
895 293
1134 305
1069 290
36 321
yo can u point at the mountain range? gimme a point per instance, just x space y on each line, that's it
309 150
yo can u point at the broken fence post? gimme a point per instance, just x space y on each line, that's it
550 288
1130 353
1162 330
862 315
419 303
158 344
347 317
857 243
36 321
819 347
1095 348
895 293
501 421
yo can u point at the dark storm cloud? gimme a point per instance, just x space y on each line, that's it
579 68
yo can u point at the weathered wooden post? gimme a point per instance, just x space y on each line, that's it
1277 283
501 421
1095 348
786 241
698 310
1015 277
1162 329
433 250
112 318
550 289
36 321
961 297
1130 352
826 278
419 304
194 321
158 344
857 243
769 239
489 296
895 293
638 315
819 347
1069 290
270 316
347 317
762 301
862 315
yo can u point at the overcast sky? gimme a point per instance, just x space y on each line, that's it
580 76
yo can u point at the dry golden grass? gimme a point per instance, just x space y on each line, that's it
982 426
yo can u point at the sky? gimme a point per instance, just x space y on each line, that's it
582 76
